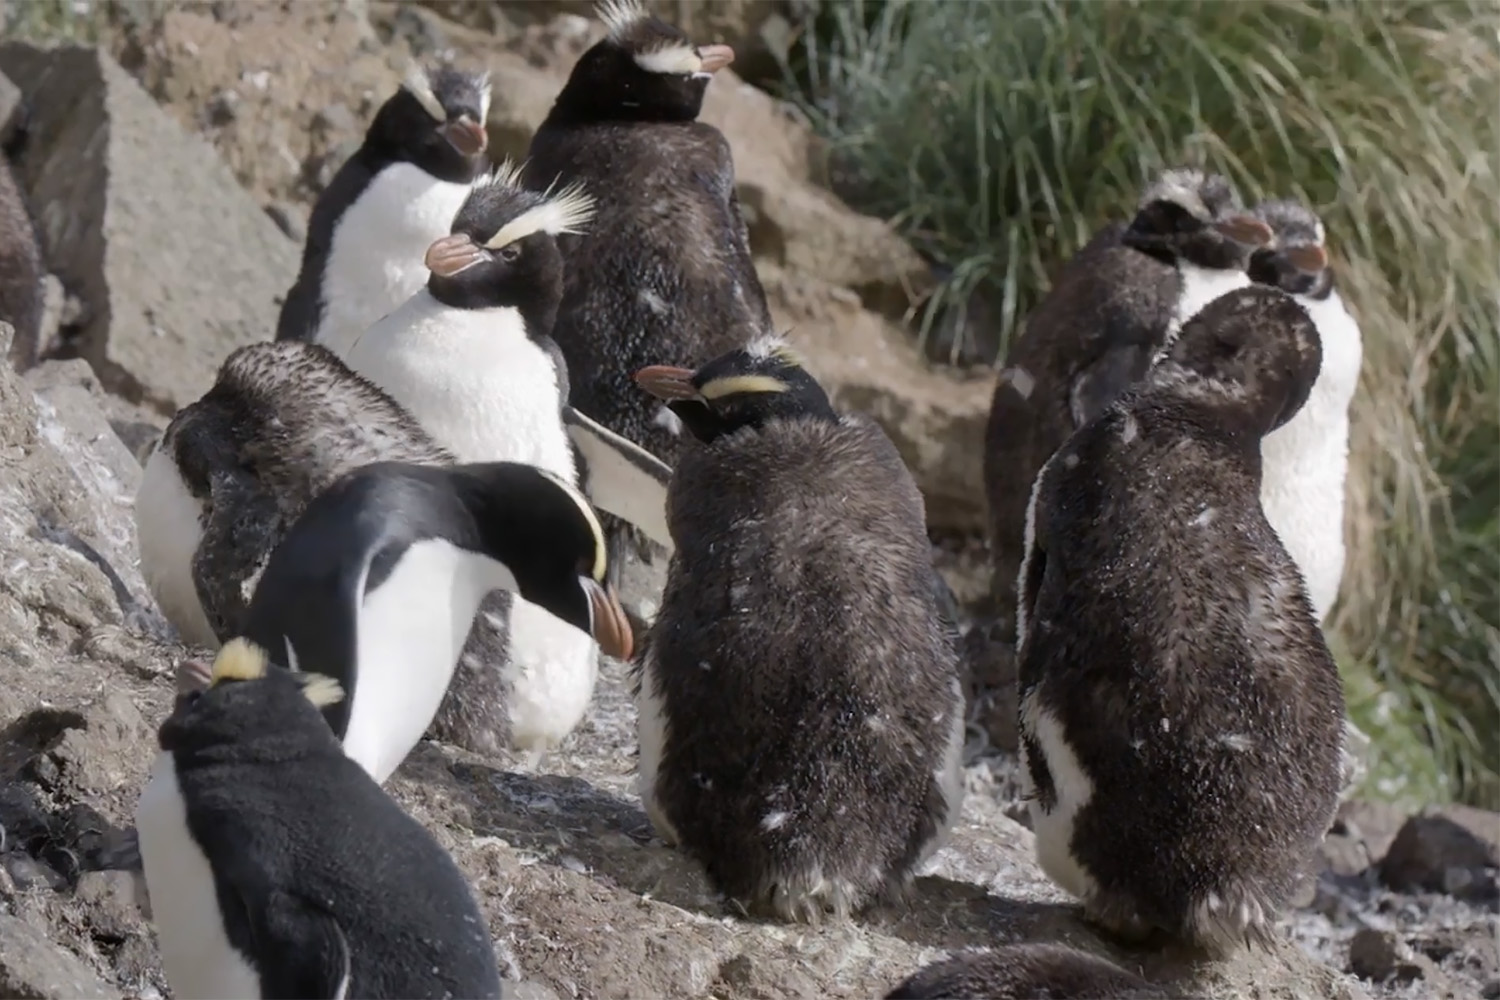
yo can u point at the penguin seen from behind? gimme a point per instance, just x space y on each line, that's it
1110 309
277 868
665 270
387 203
801 721
1306 460
1181 717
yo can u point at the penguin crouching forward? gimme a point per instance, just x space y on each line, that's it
1111 308
1026 972
1180 715
378 583
800 718
385 206
277 868
665 271
1306 459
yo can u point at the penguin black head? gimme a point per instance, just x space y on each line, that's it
435 121
245 697
742 388
502 250
1296 260
643 70
1254 350
547 535
1196 217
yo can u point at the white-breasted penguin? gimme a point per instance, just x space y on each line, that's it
665 270
1110 309
277 868
800 718
1026 972
387 203
1181 717
1306 460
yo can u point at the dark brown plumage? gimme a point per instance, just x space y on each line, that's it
1109 310
801 720
20 272
1181 716
1025 972
665 269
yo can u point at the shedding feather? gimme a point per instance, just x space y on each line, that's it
620 15
1183 187
239 660
419 86
321 689
774 345
565 212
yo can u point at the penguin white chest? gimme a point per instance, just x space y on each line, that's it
473 380
168 532
376 257
196 954
412 629
1200 286
1305 461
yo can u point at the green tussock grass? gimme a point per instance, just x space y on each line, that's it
998 136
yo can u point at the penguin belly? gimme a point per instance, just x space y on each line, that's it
168 531
412 630
376 257
196 953
550 677
651 735
1200 286
1306 460
1043 732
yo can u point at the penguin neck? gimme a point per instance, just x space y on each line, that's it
537 307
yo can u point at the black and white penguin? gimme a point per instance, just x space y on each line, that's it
277 868
1181 717
471 357
1025 972
1110 310
1307 459
21 299
665 270
800 718
399 191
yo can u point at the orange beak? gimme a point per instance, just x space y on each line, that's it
1245 229
452 254
715 57
1311 259
666 382
612 629
466 135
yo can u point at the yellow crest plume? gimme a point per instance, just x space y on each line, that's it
239 660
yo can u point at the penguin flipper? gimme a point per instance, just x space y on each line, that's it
311 953
242 528
1102 382
622 478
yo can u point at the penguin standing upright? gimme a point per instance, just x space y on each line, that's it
387 203
277 868
1307 459
1181 717
1026 972
665 270
801 721
1110 309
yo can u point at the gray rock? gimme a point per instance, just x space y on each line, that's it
1373 954
34 968
175 262
1449 851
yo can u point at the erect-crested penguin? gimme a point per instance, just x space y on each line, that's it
1110 309
665 270
801 722
1025 972
1305 461
385 206
277 868
1181 717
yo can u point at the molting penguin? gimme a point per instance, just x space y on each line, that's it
385 206
378 583
277 868
1181 717
235 469
21 272
471 358
1026 972
1306 459
801 721
665 270
1110 309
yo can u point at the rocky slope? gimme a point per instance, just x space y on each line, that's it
170 198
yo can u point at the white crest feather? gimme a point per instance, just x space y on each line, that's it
320 689
419 86
484 97
674 59
564 212
619 15
505 174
